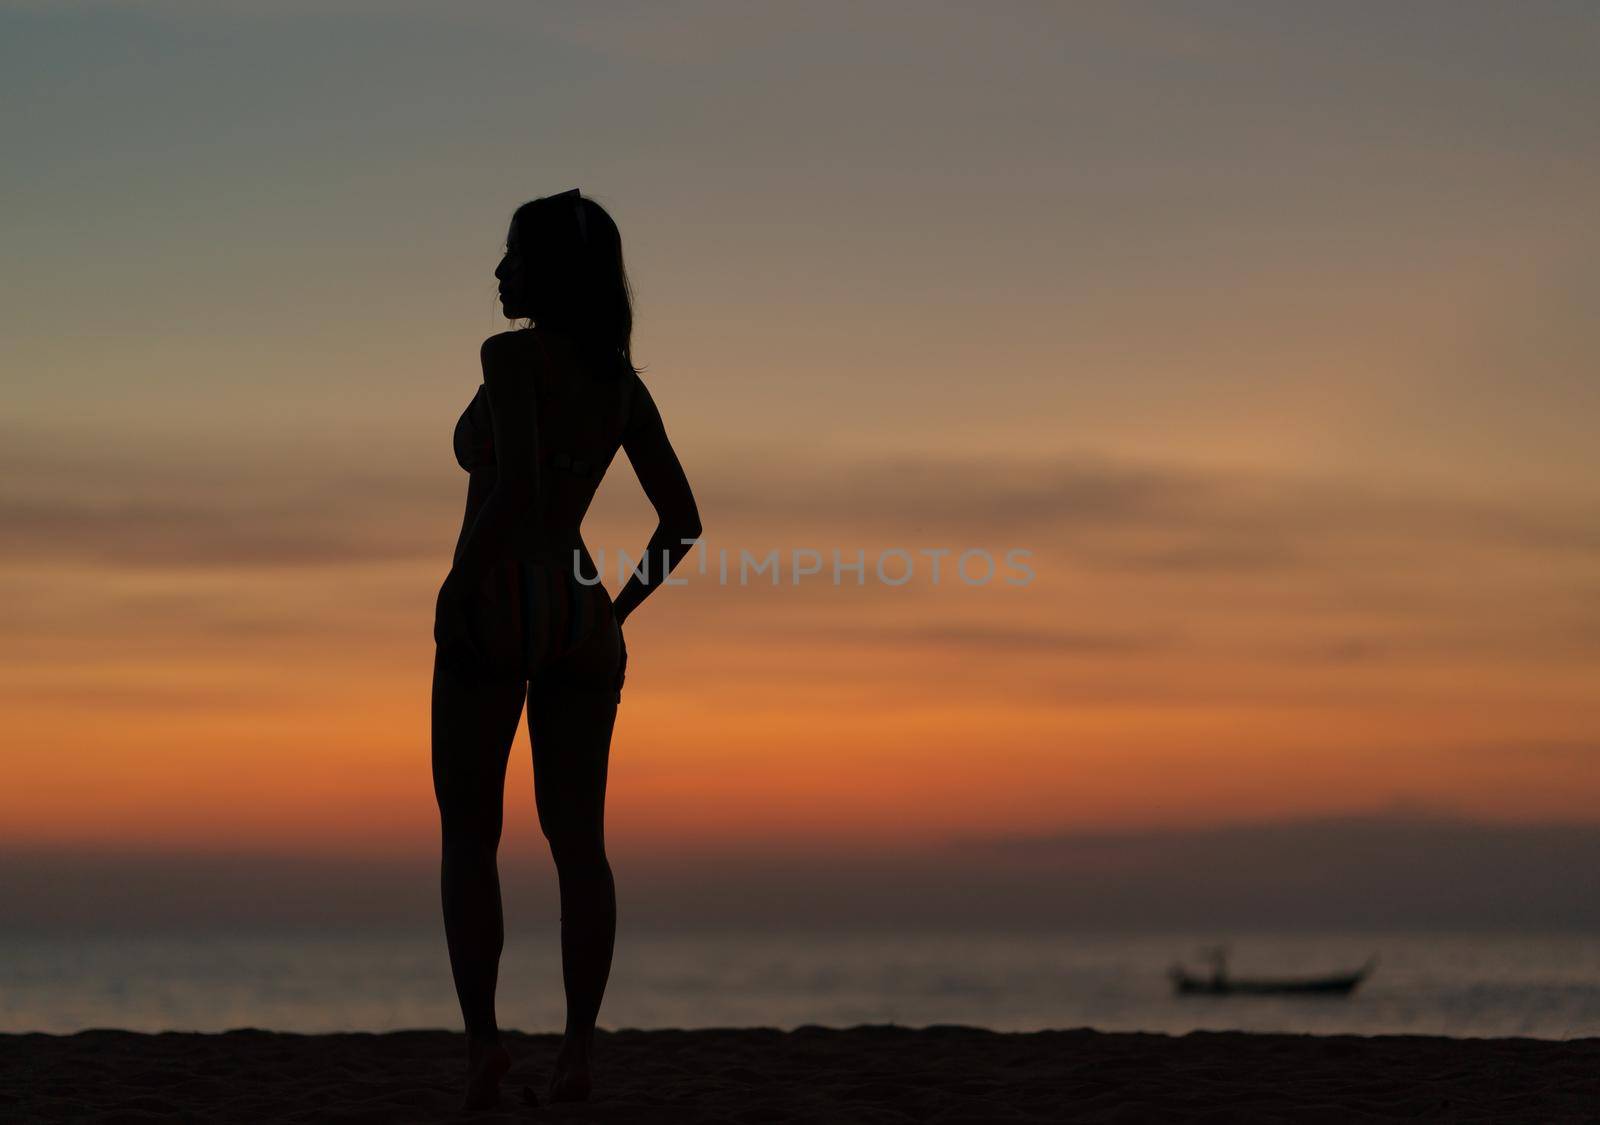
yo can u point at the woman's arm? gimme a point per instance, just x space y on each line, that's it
677 518
512 409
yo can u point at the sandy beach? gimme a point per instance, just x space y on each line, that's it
812 1074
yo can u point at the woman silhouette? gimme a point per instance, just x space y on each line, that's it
516 616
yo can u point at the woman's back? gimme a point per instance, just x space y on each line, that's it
580 418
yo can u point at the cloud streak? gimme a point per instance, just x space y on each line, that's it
1118 516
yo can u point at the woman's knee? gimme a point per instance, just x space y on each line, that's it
575 846
468 829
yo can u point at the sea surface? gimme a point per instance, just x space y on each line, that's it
1545 986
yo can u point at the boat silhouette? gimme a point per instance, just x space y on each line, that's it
1219 983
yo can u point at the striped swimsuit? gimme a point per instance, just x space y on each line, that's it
565 629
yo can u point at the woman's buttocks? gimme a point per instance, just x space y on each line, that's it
560 612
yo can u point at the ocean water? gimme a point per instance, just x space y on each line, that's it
1543 986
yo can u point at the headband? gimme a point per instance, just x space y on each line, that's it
577 210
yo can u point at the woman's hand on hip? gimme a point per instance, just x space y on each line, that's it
622 659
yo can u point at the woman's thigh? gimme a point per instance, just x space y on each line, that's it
572 709
474 724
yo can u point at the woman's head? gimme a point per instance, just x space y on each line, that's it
563 270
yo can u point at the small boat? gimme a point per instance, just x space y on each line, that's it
1219 983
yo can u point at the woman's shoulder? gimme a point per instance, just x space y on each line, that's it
511 342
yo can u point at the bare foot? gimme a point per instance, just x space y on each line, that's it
487 1063
572 1079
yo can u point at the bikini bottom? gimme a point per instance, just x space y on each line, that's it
537 621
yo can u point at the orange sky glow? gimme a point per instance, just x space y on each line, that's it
1284 378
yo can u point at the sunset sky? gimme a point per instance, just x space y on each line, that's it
1269 329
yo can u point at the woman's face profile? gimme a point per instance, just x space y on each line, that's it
509 273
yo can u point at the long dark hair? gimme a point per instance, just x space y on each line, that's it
573 275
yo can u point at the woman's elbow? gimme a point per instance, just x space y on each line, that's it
687 523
